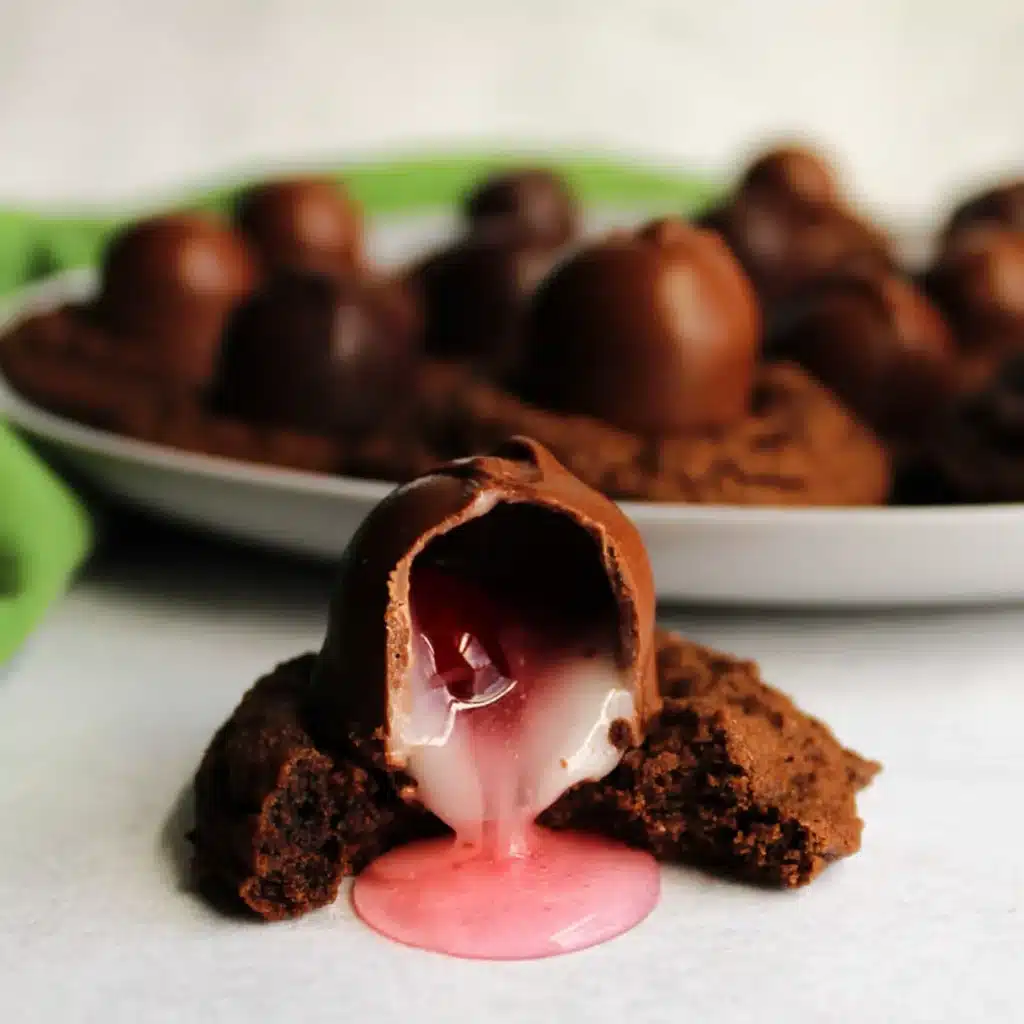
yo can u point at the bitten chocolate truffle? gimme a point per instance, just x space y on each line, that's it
309 352
521 530
473 295
302 224
533 206
169 283
978 281
655 332
876 342
1001 206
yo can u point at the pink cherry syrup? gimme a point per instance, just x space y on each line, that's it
504 723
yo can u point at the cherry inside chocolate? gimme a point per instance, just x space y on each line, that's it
515 692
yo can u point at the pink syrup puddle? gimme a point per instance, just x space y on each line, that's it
569 891
501 888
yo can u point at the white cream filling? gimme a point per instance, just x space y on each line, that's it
471 773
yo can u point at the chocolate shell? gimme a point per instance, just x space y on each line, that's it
309 352
796 171
978 280
783 242
978 449
1001 206
515 522
473 295
532 206
655 333
169 283
876 342
302 224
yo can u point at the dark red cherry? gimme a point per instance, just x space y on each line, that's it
462 625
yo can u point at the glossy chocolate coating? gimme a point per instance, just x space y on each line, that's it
795 171
316 354
875 341
169 283
1002 206
302 224
533 206
783 242
978 450
656 333
979 280
473 295
516 521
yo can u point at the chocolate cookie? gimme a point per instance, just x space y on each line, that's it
797 446
731 776
63 362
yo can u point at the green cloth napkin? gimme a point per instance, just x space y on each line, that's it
45 534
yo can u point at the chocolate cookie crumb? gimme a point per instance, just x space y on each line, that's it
732 777
279 822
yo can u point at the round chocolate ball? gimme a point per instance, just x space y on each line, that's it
169 282
1002 206
473 295
655 332
318 354
522 529
978 279
532 205
784 242
876 342
978 282
977 451
794 171
302 224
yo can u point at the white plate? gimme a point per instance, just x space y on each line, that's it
704 554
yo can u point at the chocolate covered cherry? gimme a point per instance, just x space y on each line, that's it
168 283
655 332
473 295
875 341
1002 206
787 223
979 280
302 224
979 447
532 205
796 171
493 630
316 354
784 242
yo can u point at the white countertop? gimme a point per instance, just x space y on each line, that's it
104 717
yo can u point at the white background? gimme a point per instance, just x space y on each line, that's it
106 98
104 716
